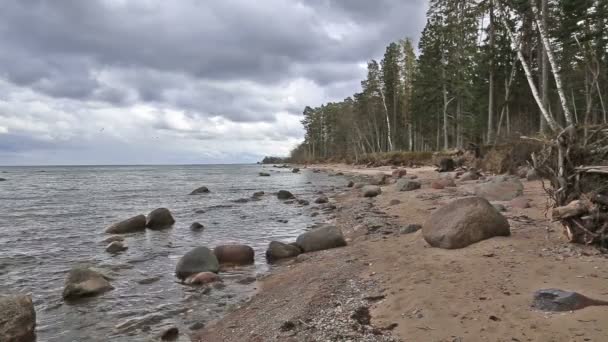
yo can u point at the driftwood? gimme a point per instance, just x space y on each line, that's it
576 165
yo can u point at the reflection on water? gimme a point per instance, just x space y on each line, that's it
52 220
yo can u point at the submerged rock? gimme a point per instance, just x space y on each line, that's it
258 194
84 282
234 254
285 195
201 190
464 222
303 202
350 184
195 226
116 247
559 300
170 334
113 238
321 238
132 225
278 250
17 319
200 259
202 278
264 174
160 218
371 191
295 170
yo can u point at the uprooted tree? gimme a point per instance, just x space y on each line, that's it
574 159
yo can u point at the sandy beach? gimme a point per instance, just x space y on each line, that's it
390 286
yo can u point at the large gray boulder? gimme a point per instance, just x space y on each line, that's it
321 238
160 218
371 191
407 185
17 319
132 225
234 254
84 282
200 259
279 250
500 188
464 222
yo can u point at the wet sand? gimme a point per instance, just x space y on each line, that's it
414 292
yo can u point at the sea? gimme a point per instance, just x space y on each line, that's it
53 218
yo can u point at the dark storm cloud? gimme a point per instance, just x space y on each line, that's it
241 60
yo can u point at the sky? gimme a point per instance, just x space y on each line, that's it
180 82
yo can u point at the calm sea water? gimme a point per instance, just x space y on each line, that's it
52 218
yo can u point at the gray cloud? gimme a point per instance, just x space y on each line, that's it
132 66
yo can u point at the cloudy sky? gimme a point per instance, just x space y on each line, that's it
188 81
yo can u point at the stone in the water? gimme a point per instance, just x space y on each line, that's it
371 191
285 195
557 300
147 281
2 179
303 202
196 226
463 222
116 247
200 259
170 334
201 190
407 185
17 319
500 189
258 194
264 174
241 200
234 254
84 282
295 170
350 184
321 238
410 228
278 250
321 200
160 218
113 238
202 278
132 225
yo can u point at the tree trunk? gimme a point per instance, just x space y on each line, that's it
445 110
491 76
544 71
558 80
388 121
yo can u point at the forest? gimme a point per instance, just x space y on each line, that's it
484 72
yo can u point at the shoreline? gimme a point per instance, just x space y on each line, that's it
389 286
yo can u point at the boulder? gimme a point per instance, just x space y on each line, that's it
500 189
170 334
520 202
295 170
17 319
202 278
234 254
350 184
285 195
556 300
264 174
407 185
196 226
84 282
446 165
464 222
371 191
160 218
200 259
399 173
532 175
321 200
379 179
116 247
132 225
201 190
321 238
278 250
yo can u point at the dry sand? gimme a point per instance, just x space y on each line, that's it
418 293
